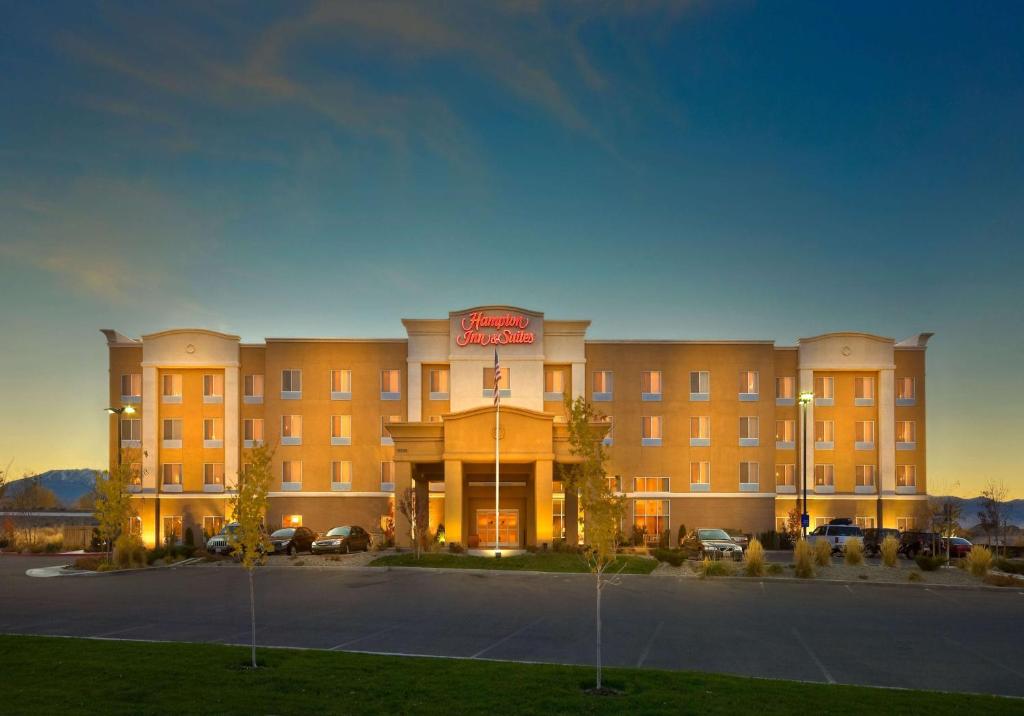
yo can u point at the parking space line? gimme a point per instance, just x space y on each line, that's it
848 588
982 657
501 641
814 658
385 630
650 642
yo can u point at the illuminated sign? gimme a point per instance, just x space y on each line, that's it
479 329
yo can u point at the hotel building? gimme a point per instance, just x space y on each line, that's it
701 433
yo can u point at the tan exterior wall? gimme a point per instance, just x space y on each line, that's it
911 363
322 513
123 361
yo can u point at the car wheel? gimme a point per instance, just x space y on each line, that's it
290 551
345 549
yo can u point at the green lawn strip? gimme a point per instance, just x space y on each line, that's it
80 676
537 562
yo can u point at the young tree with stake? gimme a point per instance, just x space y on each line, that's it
113 504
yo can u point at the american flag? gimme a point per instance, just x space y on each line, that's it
497 380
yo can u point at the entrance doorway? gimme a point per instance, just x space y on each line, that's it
508 527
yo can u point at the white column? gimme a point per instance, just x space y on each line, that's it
807 384
231 424
887 431
150 422
415 401
579 380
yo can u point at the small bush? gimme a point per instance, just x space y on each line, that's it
532 548
890 550
1010 566
775 569
681 534
129 552
456 548
802 560
1003 580
105 567
298 563
715 568
979 560
639 536
675 557
862 576
190 537
929 563
754 559
822 553
854 552
89 563
915 577
155 554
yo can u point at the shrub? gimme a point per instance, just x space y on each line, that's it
822 553
715 568
854 552
1010 566
1002 580
155 554
979 560
639 535
802 560
929 563
105 567
54 546
532 548
770 539
456 548
89 563
129 552
890 550
754 559
298 563
915 577
775 569
674 557
681 534
665 539
190 537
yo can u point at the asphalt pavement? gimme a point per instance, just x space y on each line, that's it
881 635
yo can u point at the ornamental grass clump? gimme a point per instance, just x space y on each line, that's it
802 560
715 568
979 560
754 559
854 552
822 553
890 549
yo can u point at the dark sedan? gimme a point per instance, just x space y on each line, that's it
292 539
342 540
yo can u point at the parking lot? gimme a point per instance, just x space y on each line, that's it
896 636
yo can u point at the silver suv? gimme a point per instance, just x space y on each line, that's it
835 535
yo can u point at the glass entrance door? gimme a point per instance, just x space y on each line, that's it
508 527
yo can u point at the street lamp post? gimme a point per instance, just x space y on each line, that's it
806 397
126 410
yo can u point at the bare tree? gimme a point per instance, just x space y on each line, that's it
991 516
407 505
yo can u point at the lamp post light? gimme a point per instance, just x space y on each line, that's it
125 410
805 399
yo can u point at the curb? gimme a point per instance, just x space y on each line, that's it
65 570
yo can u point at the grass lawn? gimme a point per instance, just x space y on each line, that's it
537 561
45 675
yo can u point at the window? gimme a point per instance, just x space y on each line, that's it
750 476
785 478
213 433
700 476
554 383
865 523
172 433
905 524
785 390
822 521
652 516
291 521
865 435
906 478
824 434
131 432
341 475
609 437
504 382
864 478
558 517
391 384
135 480
252 432
170 390
906 391
131 388
864 390
341 430
602 388
824 477
785 434
213 388
172 529
651 484
170 476
650 385
291 429
439 383
614 483
341 385
387 476
213 476
749 385
700 431
824 390
749 431
385 420
906 434
253 389
291 475
291 384
700 385
135 526
781 524
650 430
212 524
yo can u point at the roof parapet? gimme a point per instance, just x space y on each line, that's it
118 339
918 340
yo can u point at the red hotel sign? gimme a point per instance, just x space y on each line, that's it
482 330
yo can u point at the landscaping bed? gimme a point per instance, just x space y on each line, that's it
535 561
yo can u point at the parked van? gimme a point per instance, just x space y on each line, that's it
835 535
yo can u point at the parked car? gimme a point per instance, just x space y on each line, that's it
743 540
343 540
835 535
874 537
713 543
292 539
220 543
958 547
915 543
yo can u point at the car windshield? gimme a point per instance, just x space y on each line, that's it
228 529
712 534
959 540
339 532
286 532
844 531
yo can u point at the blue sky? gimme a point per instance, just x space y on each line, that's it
755 170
